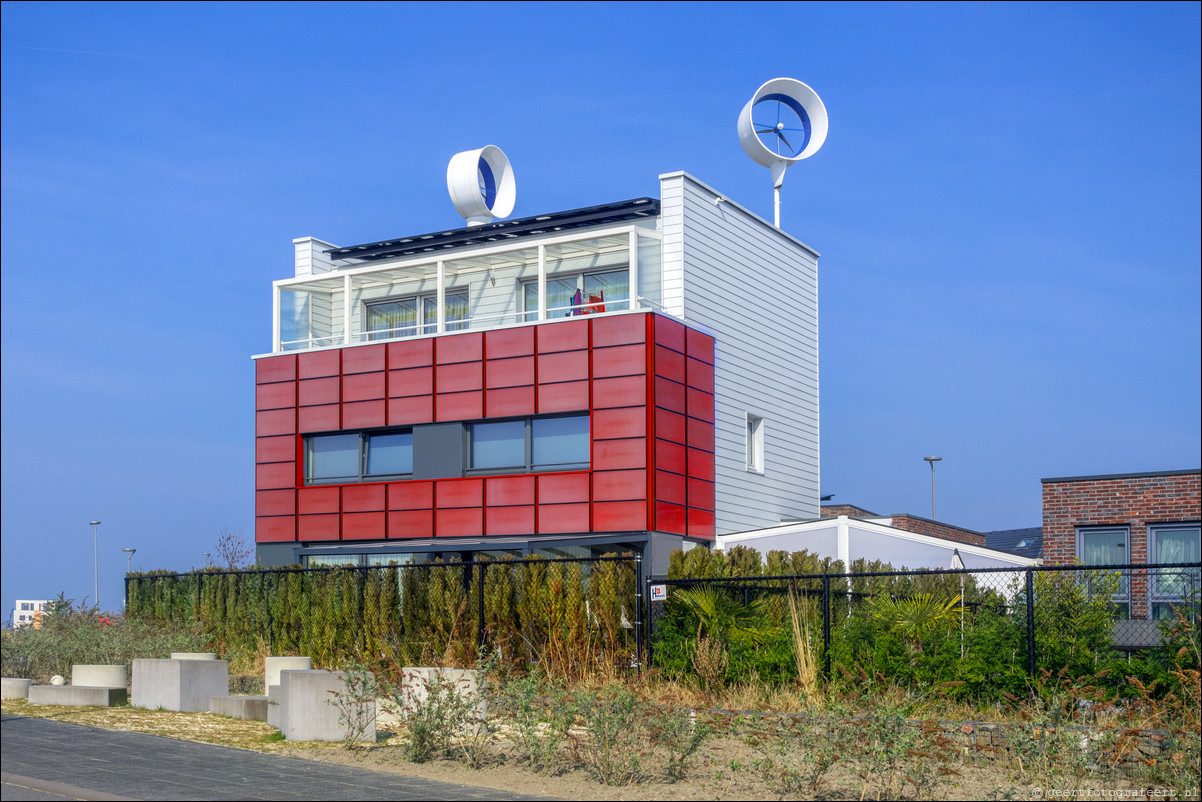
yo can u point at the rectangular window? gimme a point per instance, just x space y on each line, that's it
528 445
1175 587
580 294
357 457
755 443
417 314
1107 545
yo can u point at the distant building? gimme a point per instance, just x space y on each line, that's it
1027 542
908 523
1138 518
28 613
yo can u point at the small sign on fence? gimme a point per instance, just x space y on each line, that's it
659 593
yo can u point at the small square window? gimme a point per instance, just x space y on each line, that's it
755 443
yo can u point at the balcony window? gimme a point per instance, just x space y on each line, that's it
580 294
406 317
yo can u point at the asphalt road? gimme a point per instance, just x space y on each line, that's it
48 760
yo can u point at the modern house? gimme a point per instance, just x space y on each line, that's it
1117 519
29 612
631 376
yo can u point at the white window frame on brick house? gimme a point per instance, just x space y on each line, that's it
1170 587
1122 597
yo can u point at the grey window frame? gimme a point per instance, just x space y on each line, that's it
528 448
1121 598
1155 594
363 476
420 327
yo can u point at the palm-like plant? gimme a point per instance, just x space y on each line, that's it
918 617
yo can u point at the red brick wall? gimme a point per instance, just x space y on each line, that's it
646 381
1134 501
922 526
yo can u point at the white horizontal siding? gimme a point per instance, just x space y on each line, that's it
756 290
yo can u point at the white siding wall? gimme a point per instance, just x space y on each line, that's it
755 289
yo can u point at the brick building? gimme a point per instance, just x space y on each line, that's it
1128 518
907 523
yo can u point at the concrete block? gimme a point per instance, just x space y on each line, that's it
14 688
95 676
247 708
193 655
183 685
273 706
417 682
76 696
272 666
307 709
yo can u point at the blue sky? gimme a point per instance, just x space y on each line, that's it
1007 207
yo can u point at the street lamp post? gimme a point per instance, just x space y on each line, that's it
206 555
932 460
95 563
129 565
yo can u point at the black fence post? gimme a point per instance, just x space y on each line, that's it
1030 622
826 626
480 612
638 611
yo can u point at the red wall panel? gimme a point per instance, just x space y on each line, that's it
508 342
275 369
568 336
614 424
509 520
318 419
410 523
671 457
701 464
670 487
669 364
563 488
624 391
669 395
275 476
275 449
460 348
563 366
317 527
622 360
410 382
510 372
363 498
459 522
699 345
363 414
670 425
275 502
281 395
699 374
459 406
619 516
363 526
459 493
700 523
619 485
671 518
404 411
669 333
459 377
618 454
565 397
505 491
363 359
317 364
701 435
275 530
700 405
619 330
313 500
563 518
509 402
275 421
363 386
318 391
411 496
701 493
411 354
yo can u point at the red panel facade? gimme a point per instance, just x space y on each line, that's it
645 380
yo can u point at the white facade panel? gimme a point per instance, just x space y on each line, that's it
755 289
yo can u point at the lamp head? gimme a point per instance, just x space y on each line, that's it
93 523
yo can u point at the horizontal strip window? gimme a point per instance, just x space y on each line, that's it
529 445
358 457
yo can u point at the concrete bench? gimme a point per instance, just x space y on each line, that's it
76 696
184 685
308 709
246 708
100 676
14 688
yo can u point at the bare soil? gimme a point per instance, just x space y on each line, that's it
725 768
